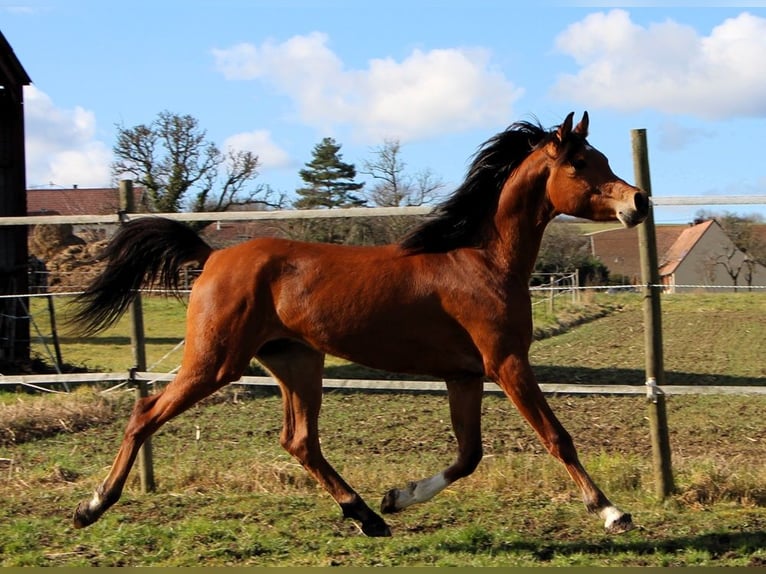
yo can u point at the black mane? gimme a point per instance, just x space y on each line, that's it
458 221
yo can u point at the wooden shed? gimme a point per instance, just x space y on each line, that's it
14 324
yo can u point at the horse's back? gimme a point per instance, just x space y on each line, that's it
373 305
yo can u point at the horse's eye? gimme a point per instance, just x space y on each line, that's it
578 163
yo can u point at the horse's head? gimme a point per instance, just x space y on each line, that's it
581 183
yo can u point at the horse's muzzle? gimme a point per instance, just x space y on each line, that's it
635 211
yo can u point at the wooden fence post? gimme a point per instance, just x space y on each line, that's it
55 333
655 372
138 343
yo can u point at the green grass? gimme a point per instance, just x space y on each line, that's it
233 497
110 351
707 340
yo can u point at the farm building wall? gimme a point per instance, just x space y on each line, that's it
703 267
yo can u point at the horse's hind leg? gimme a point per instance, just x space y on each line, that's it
298 369
465 411
148 415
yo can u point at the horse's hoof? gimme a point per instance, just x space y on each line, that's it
621 524
376 528
388 505
372 524
83 516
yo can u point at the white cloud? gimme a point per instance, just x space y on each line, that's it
425 94
61 148
674 136
21 10
259 142
667 66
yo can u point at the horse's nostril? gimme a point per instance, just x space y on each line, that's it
641 201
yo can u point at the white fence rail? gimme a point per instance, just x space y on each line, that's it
222 215
332 213
121 379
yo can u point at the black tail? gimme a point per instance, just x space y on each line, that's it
148 251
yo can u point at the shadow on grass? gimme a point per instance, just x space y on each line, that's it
719 545
553 374
567 375
618 376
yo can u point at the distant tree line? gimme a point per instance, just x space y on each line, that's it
182 170
565 250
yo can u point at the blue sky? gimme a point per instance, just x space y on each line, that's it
276 77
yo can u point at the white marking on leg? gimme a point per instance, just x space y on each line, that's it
95 502
615 519
421 491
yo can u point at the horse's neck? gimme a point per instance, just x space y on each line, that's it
523 213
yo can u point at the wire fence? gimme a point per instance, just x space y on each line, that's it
163 367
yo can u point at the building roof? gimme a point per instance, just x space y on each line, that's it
12 73
681 247
617 248
78 201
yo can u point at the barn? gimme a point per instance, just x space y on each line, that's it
14 324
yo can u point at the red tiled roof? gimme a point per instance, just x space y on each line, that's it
618 248
78 201
685 242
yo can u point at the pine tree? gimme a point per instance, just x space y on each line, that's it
329 180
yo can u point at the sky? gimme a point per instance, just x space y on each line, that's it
277 76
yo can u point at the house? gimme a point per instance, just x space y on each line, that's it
80 201
617 248
704 258
106 200
225 233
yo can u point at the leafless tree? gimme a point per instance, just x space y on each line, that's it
180 169
393 186
730 258
741 230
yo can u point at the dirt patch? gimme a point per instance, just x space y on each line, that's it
31 418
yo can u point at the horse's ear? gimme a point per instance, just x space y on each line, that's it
565 128
581 128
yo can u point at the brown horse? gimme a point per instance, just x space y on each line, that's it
451 300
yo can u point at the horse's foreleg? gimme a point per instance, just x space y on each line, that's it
148 415
298 369
515 377
465 412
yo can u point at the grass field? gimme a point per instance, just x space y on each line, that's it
233 497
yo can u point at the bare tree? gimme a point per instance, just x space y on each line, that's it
393 186
179 168
730 258
748 249
741 230
563 250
